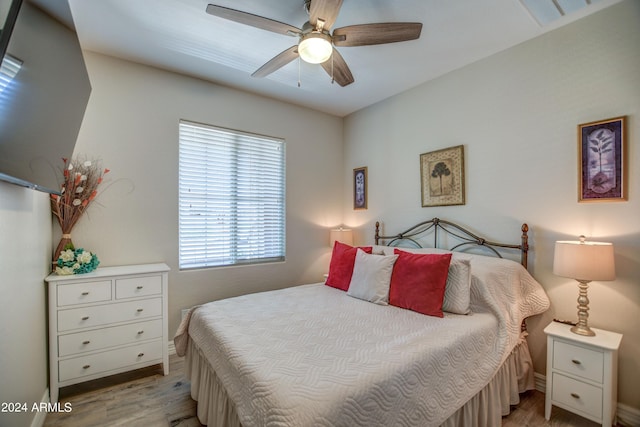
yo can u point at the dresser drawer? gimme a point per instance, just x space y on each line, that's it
579 361
577 395
138 287
83 292
85 317
82 342
79 367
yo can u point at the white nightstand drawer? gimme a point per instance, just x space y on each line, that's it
82 342
579 361
86 317
84 292
577 395
109 360
138 287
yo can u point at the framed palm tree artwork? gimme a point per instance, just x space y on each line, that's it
442 177
602 175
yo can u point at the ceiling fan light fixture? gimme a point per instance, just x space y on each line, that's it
315 47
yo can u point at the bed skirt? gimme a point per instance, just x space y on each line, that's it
485 409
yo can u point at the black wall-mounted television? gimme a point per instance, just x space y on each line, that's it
42 106
8 13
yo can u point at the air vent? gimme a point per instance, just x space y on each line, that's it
547 11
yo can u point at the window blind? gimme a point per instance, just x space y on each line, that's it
231 197
8 70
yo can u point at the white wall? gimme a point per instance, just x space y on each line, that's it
25 260
516 113
131 123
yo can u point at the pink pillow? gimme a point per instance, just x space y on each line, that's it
418 282
341 266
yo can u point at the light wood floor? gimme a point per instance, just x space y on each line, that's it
146 398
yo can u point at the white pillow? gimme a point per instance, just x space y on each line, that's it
457 293
372 277
379 250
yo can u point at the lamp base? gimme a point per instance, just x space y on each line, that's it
582 330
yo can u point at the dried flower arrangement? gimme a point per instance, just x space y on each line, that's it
79 188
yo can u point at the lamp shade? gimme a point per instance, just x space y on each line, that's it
342 235
584 260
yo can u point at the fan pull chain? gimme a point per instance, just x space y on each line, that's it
299 71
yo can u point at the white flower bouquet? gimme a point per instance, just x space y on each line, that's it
76 261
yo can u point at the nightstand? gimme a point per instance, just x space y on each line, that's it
582 373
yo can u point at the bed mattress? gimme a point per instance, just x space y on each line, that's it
312 355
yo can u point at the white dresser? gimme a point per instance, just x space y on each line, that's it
111 320
582 372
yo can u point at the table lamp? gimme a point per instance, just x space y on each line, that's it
342 235
584 261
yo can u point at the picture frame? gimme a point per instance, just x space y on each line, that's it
602 172
442 177
360 188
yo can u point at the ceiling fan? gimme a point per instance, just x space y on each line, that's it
315 41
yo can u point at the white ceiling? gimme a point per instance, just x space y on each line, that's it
178 35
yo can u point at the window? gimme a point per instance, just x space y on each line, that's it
8 70
231 197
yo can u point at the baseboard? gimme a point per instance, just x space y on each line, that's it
38 420
627 415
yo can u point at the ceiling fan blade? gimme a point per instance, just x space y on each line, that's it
277 62
327 10
370 34
252 20
339 70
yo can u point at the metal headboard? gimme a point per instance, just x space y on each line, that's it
466 237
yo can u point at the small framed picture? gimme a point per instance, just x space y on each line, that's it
360 188
442 177
602 175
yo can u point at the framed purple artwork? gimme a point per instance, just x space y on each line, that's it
602 175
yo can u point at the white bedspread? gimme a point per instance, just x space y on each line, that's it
313 356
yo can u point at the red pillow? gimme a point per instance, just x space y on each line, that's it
341 266
418 282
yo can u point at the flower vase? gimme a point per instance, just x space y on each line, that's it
64 242
81 179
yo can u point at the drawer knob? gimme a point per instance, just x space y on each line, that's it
140 354
86 342
85 318
576 362
140 332
139 287
140 310
86 366
85 293
575 395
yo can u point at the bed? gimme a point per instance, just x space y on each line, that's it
318 355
